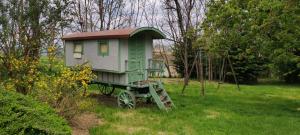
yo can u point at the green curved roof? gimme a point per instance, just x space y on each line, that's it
155 33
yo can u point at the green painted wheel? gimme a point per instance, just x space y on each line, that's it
106 90
126 99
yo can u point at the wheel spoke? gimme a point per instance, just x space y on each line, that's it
105 89
123 96
130 106
128 97
122 100
126 100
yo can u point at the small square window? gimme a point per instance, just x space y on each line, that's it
78 50
103 48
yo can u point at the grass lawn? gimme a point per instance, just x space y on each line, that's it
267 108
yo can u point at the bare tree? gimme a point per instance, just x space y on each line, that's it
164 53
183 18
95 15
25 28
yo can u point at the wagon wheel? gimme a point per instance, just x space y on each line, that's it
106 90
126 99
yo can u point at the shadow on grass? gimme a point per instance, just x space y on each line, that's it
111 101
276 83
108 101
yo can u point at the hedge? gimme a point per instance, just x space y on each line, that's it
20 114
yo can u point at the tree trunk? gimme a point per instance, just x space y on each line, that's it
210 68
201 75
86 16
186 69
101 14
163 53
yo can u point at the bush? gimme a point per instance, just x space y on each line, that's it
61 87
21 114
51 82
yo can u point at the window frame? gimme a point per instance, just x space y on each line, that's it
103 43
78 43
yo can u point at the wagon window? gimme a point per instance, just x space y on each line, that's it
78 50
103 49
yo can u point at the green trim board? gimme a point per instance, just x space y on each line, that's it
155 33
110 71
65 55
102 46
119 54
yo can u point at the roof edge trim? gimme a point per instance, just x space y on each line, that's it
158 33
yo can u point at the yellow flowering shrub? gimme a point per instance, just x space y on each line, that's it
63 87
23 74
66 81
50 81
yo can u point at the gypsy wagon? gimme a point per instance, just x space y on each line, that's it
121 58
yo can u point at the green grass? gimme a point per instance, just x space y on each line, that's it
267 108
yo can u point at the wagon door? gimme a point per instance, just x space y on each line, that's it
136 59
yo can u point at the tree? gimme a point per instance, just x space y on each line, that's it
25 26
96 15
227 29
278 31
255 32
183 18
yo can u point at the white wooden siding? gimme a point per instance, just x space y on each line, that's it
90 55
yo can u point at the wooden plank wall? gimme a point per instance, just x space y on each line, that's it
112 78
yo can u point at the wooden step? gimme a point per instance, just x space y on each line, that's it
166 100
162 98
158 90
167 104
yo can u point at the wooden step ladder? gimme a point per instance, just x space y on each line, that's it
160 96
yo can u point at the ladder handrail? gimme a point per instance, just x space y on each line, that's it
154 88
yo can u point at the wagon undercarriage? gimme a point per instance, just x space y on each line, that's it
150 91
